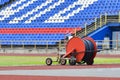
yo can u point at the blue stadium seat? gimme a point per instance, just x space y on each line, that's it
31 39
3 1
51 14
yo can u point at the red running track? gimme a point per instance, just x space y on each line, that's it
10 77
21 77
60 67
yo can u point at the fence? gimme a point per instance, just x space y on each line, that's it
35 48
59 48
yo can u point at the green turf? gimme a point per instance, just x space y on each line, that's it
37 60
21 60
107 61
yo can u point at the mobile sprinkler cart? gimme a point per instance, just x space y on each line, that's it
77 51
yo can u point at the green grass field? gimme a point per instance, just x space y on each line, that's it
37 60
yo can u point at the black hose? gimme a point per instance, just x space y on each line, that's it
89 50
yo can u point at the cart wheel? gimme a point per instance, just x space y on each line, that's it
90 62
72 62
63 61
49 61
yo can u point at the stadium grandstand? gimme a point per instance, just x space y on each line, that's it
42 22
2 2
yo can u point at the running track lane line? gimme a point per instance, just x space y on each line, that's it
93 72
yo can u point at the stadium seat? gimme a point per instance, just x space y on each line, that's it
49 19
2 2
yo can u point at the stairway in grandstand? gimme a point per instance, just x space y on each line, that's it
43 22
98 24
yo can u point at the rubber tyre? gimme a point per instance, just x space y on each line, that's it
49 61
90 62
72 62
63 61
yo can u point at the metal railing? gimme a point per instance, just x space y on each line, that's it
108 44
98 23
59 48
34 48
